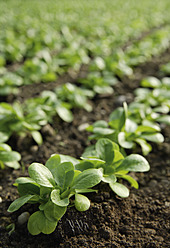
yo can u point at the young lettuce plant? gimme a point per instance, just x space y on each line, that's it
7 156
75 96
49 103
156 97
106 155
126 132
99 82
53 186
17 119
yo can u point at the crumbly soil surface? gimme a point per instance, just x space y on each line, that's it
141 220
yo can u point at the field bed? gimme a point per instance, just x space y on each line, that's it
141 220
64 66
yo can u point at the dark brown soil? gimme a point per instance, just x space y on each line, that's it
139 221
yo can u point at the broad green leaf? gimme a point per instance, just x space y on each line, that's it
163 109
151 82
146 129
109 178
82 203
119 189
45 192
19 202
158 137
56 199
15 165
164 119
117 119
54 212
64 113
95 161
63 174
28 189
104 148
87 179
4 136
134 162
100 123
9 156
130 126
123 142
146 147
23 180
103 131
38 223
84 165
118 156
41 175
66 158
52 162
37 137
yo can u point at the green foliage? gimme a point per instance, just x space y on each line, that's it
126 132
75 96
53 186
16 118
107 156
8 157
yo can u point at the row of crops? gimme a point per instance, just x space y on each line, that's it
41 42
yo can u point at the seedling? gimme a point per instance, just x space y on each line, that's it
7 156
16 119
75 96
126 132
53 186
106 155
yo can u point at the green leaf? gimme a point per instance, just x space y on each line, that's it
9 156
37 137
4 136
104 148
157 138
41 175
119 189
103 131
19 202
146 147
142 129
109 178
15 165
134 162
63 174
56 199
123 142
82 203
53 212
66 158
84 165
151 82
38 223
28 189
64 113
23 180
52 162
131 180
117 119
87 179
164 119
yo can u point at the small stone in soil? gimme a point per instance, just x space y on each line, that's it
23 218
